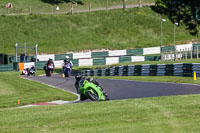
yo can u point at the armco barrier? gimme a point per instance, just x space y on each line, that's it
63 56
4 68
153 58
40 65
99 54
101 61
177 69
124 59
138 51
167 49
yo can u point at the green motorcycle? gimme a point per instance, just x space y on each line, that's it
90 90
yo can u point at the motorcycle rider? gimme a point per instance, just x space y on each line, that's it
67 60
80 79
31 68
50 61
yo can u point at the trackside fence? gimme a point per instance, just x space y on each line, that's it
7 67
176 69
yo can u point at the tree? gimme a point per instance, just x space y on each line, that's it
181 11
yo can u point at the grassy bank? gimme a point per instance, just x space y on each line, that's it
46 6
116 29
174 114
13 88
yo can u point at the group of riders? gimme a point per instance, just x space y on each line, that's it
91 90
32 70
66 61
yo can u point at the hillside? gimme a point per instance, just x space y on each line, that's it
114 29
49 6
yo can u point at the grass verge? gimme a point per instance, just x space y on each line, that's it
13 88
174 114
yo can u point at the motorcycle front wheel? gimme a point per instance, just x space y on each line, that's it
66 73
92 96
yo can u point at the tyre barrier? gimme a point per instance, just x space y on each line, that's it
176 69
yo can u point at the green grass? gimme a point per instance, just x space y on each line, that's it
159 114
13 88
116 29
174 114
37 6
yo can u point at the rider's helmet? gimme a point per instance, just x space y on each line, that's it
50 60
66 60
78 76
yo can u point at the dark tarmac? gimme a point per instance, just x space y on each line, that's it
124 89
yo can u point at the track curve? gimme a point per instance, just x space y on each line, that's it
124 89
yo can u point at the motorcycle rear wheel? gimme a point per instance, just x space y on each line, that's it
92 96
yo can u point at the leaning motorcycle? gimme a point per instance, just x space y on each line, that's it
67 69
31 72
92 91
49 69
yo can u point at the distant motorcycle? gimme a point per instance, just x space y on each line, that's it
49 69
25 71
31 71
67 69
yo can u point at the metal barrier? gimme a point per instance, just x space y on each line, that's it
7 67
176 69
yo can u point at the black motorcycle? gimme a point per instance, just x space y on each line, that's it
49 69
31 71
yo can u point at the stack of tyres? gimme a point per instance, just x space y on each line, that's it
161 70
137 70
83 72
196 68
125 71
107 72
99 72
131 70
178 69
120 71
92 73
95 72
87 73
169 70
153 70
116 71
112 71
187 69
145 70
103 72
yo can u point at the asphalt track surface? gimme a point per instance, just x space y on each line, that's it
123 89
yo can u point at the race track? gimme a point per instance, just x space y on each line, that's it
123 89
